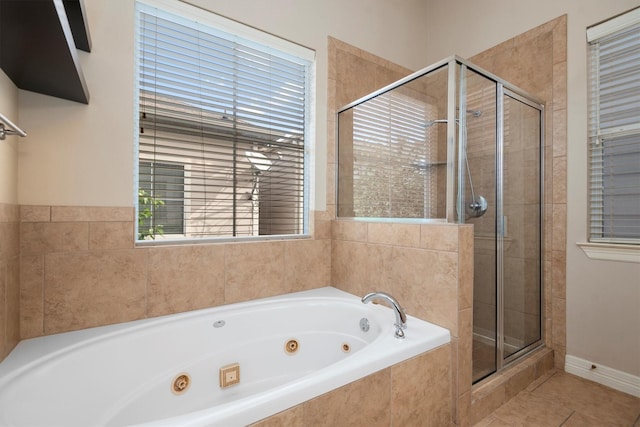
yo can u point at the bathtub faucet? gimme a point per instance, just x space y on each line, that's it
401 317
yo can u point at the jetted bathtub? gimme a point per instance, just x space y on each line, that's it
229 365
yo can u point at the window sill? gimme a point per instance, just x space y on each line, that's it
611 252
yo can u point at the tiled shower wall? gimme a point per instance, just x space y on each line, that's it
80 268
9 278
536 61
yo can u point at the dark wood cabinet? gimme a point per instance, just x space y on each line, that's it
39 40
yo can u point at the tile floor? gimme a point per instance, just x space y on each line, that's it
561 399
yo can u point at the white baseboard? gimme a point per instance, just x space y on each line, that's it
604 375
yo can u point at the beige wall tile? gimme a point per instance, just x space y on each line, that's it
420 390
439 237
349 230
520 380
307 264
4 349
183 278
463 410
486 400
3 310
10 241
9 305
370 396
465 343
91 213
86 289
352 84
40 237
559 227
9 278
12 301
394 234
254 270
559 322
293 417
560 39
560 85
558 274
559 137
360 268
321 225
111 235
31 296
9 212
426 283
465 267
544 363
33 213
559 179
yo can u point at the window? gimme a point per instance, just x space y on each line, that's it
161 199
223 127
393 155
614 129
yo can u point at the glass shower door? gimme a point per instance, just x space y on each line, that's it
500 166
478 176
521 304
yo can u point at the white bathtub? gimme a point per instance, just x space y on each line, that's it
122 375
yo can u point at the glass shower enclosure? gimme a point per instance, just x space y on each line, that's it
454 143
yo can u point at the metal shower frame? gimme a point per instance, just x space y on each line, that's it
503 88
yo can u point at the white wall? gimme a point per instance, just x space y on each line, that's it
603 298
9 147
83 155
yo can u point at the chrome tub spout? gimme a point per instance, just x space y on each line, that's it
401 317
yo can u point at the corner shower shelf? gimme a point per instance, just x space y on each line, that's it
38 42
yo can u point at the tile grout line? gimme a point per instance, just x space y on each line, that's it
567 419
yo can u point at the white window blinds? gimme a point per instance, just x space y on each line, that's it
614 130
394 152
222 131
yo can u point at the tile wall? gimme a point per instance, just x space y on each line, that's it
536 61
9 278
79 269
411 393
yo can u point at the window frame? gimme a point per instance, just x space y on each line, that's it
606 247
253 38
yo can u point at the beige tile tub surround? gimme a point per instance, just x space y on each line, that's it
411 393
429 275
9 278
80 268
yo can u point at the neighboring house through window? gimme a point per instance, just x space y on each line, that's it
223 126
